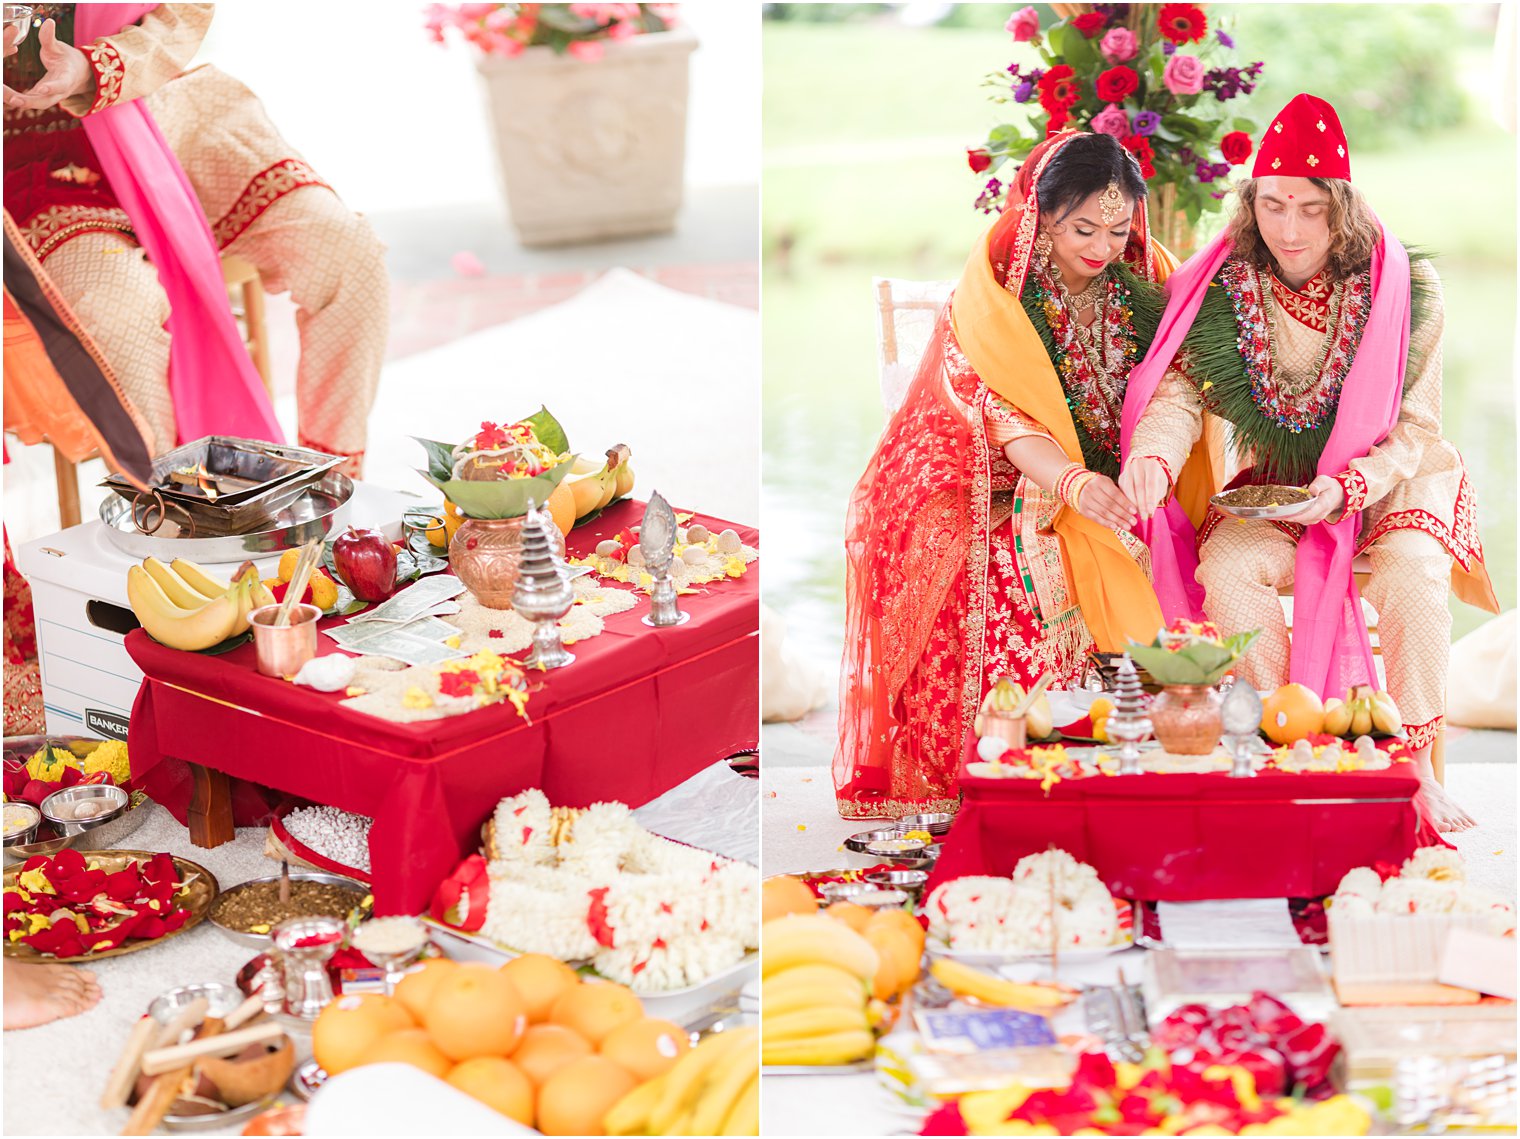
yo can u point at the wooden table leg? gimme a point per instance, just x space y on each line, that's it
210 813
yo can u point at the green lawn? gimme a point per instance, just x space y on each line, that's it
865 129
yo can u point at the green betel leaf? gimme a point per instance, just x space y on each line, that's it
1209 658
548 430
1166 667
505 498
440 459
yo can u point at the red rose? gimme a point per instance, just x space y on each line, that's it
1059 89
1236 147
1089 23
1116 84
1183 23
1139 146
978 159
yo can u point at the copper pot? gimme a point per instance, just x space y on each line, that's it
485 553
1185 719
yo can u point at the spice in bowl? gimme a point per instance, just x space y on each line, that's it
255 907
389 935
1259 496
20 818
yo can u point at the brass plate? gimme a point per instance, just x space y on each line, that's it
203 892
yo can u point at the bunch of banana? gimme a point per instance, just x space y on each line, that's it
964 981
184 607
595 485
712 1090
1361 712
817 977
1007 695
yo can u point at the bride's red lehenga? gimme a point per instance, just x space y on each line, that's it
954 575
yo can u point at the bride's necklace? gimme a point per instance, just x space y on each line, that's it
1088 298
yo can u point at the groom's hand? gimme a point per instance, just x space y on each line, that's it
1144 483
1328 502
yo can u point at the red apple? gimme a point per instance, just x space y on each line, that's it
366 561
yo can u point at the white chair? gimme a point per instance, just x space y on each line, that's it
905 316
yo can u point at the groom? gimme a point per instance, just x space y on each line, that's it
1309 334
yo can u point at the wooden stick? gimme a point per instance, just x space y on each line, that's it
124 1075
244 1012
1032 695
305 564
223 1044
163 1091
188 1017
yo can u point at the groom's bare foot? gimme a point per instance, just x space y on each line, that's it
1442 809
37 994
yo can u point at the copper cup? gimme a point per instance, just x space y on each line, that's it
283 649
1011 729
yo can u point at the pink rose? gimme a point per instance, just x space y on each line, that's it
1119 45
1111 120
1183 74
1023 25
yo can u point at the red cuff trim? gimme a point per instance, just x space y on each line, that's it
1421 735
1171 480
1355 487
263 190
110 74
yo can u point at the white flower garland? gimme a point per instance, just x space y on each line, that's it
1433 880
992 915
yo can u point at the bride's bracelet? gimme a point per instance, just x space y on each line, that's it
1069 484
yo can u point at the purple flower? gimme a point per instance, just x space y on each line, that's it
1224 39
1168 47
1112 121
987 200
1204 171
1221 169
1024 91
1013 70
1146 122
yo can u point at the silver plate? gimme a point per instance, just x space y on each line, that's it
309 516
1263 512
262 940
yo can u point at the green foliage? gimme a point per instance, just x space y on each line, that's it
1201 662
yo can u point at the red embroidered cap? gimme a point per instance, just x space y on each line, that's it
1305 140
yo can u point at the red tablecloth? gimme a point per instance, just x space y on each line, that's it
1188 838
639 711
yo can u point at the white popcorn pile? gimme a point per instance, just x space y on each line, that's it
341 836
1050 897
1432 881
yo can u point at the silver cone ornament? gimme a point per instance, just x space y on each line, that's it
542 594
1128 724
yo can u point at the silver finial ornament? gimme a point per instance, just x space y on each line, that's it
657 542
1240 715
1128 724
542 594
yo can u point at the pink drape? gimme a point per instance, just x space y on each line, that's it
1331 650
214 385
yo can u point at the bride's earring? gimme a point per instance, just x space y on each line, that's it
1042 246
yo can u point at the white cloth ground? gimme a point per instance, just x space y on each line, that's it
54 1074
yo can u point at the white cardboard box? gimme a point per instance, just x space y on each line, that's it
79 596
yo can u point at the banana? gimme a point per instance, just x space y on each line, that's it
798 998
811 1023
684 1082
843 986
624 479
590 490
617 457
1385 713
198 579
1361 720
744 1117
630 1115
725 1083
836 1048
965 981
176 588
802 939
174 625
1007 695
1337 717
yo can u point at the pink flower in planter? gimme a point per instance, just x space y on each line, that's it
1111 120
623 30
1183 75
587 50
1023 25
1119 45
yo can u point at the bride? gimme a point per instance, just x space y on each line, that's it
987 536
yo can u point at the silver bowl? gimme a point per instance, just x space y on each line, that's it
910 882
222 999
866 894
262 940
859 841
935 824
56 807
27 833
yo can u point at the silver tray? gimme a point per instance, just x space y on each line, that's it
309 516
263 941
266 466
1267 512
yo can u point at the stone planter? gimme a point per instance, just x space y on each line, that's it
591 149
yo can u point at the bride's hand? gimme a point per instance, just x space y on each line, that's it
1144 480
68 73
1104 503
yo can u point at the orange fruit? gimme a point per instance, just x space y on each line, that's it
349 1025
476 1011
1291 713
647 1048
415 989
900 920
576 1098
498 1084
595 1010
783 895
409 1046
899 965
546 1048
561 506
852 915
540 980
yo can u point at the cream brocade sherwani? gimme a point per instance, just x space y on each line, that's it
264 203
1417 515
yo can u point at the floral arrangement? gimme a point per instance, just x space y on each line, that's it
593 885
473 682
701 557
1191 652
578 30
1153 1097
1433 880
1049 897
1131 71
498 470
64 907
52 769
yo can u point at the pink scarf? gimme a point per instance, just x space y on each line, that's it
1330 646
212 380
